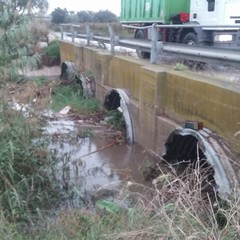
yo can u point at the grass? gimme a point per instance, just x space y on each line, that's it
116 120
26 185
72 95
174 208
40 81
171 213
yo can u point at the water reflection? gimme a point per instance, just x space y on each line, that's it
93 163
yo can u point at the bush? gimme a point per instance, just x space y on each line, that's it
59 15
85 16
105 16
51 55
53 50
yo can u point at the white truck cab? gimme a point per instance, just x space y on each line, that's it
214 13
214 23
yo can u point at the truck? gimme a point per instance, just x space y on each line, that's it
193 22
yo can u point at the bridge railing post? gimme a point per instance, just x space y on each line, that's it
89 34
111 33
113 39
154 44
72 32
61 29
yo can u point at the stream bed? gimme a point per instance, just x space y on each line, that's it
92 164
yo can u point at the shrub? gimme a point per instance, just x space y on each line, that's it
53 50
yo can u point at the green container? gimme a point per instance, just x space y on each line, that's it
150 11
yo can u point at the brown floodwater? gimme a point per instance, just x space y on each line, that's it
91 164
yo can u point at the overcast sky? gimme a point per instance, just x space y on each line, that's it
92 5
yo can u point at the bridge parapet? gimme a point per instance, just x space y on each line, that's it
161 99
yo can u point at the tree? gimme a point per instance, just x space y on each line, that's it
85 16
27 5
59 15
72 17
105 16
14 42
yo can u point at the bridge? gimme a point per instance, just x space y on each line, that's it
177 115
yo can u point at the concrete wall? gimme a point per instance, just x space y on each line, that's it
161 98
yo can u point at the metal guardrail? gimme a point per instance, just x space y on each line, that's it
158 48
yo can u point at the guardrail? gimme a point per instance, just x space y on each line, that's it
157 48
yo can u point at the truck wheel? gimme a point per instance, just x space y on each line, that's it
141 54
190 39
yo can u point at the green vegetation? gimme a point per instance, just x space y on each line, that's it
14 43
40 81
72 95
172 209
171 213
104 16
29 187
52 50
180 67
116 120
27 182
24 5
59 15
63 16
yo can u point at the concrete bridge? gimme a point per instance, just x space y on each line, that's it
165 109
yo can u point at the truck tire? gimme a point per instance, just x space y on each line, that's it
190 39
141 54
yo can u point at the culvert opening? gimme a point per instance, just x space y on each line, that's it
117 104
186 158
67 71
112 100
85 79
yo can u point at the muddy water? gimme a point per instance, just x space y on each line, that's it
91 163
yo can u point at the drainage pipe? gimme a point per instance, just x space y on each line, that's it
224 174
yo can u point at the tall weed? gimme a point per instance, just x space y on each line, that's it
26 184
171 210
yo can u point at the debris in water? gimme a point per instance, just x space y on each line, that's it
65 110
59 127
98 150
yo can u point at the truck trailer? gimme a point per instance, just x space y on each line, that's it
193 22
